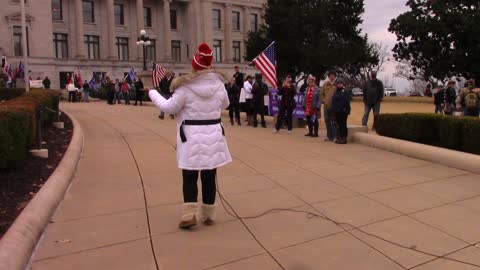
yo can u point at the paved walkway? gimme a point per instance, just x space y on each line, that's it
127 188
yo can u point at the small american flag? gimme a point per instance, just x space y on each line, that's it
266 62
157 75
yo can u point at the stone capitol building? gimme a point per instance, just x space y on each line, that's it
101 35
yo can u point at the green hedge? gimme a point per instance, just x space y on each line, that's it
10 93
456 133
17 123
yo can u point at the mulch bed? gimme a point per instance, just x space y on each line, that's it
19 185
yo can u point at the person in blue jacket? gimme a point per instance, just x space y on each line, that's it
341 108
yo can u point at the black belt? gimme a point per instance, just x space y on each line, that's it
198 123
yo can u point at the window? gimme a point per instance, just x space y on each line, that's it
236 21
119 15
236 52
60 43
122 48
176 51
147 17
17 41
57 14
217 20
254 22
173 19
150 51
217 51
92 47
88 11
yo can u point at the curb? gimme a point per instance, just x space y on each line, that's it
18 243
447 157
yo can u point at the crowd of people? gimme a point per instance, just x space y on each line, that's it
467 101
331 94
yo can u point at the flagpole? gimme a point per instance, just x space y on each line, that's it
24 45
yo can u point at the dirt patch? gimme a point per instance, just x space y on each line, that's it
19 185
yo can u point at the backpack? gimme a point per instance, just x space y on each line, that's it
472 100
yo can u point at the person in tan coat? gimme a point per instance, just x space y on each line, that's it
326 94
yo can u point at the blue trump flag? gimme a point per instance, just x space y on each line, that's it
131 75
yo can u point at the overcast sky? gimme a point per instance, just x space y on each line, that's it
376 20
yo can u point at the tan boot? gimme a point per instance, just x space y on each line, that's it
208 214
189 218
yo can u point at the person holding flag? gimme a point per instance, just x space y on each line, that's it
198 101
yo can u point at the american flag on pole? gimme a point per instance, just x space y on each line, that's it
266 62
157 75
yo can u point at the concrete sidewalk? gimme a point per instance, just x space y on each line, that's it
128 187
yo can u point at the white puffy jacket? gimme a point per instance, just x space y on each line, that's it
198 96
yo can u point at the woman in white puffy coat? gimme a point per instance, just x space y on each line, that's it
198 101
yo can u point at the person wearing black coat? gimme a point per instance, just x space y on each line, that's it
234 97
450 97
165 91
139 91
438 99
341 108
259 90
287 104
238 77
110 90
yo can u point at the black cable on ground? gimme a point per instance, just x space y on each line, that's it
146 204
310 215
143 191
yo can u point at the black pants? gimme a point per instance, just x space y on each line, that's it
341 118
71 96
234 108
258 110
249 106
312 125
209 188
110 96
138 97
281 116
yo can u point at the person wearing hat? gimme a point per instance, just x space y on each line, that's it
341 108
326 93
311 104
198 101
259 90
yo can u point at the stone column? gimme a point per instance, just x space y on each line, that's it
207 23
111 36
79 36
228 57
167 39
140 15
246 21
140 27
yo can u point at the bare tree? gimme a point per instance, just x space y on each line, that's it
383 53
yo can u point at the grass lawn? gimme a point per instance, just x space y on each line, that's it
392 105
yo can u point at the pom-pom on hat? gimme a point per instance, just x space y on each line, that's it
203 58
